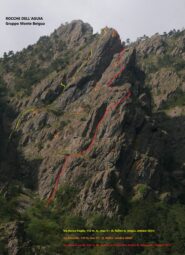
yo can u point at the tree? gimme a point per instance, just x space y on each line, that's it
5 56
10 54
128 41
165 34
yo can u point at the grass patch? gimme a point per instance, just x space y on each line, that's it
178 99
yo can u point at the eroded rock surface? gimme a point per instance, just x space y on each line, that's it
95 108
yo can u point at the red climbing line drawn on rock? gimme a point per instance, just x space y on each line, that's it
67 158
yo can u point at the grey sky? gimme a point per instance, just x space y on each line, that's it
132 18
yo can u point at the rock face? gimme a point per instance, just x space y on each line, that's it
89 122
155 44
75 33
165 80
14 237
162 59
85 112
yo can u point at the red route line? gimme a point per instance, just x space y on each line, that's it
88 149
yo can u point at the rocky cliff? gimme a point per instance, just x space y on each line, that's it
83 110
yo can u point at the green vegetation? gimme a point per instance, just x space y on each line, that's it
179 65
25 73
29 77
44 224
64 197
167 221
42 227
140 191
64 123
35 74
59 63
165 60
154 63
178 99
143 188
168 60
7 209
2 86
3 248
150 64
8 203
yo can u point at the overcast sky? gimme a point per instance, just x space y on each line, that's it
131 18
